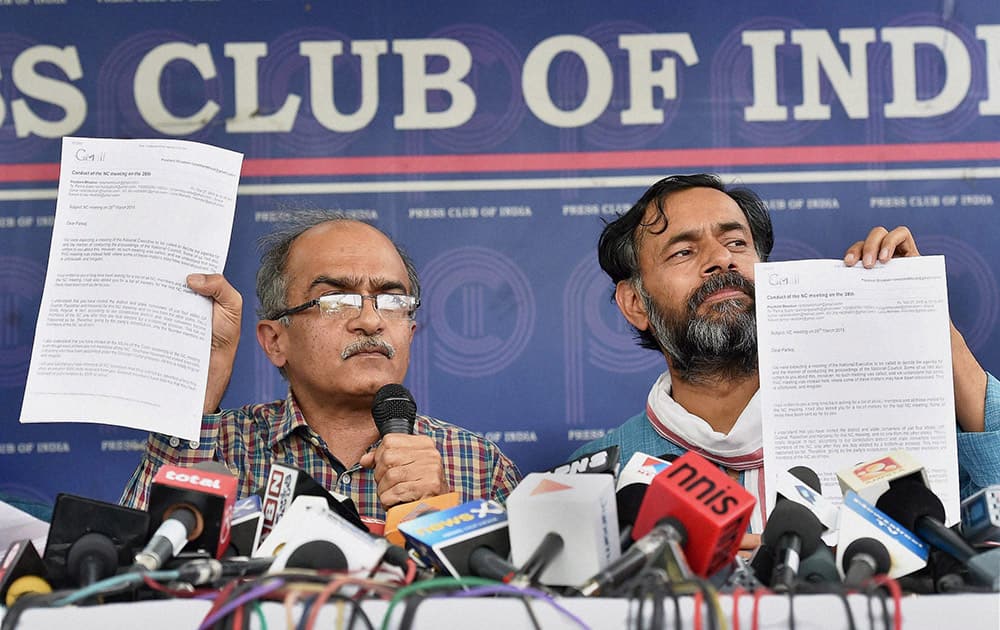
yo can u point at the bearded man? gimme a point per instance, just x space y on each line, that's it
682 261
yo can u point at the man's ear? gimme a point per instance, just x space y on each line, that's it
271 337
630 304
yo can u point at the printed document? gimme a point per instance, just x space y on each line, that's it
120 338
855 363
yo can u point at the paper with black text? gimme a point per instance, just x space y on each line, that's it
120 338
856 362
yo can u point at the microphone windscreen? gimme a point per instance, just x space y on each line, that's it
807 476
871 547
394 410
317 555
908 501
791 518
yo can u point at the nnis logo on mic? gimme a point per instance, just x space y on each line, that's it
707 491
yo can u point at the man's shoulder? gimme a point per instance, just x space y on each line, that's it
624 432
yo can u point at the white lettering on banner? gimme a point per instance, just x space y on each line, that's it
838 59
585 435
519 436
52 447
193 480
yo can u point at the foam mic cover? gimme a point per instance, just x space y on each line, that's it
393 410
89 539
602 461
455 540
860 519
794 533
198 501
408 511
918 509
864 558
802 485
580 508
285 484
713 508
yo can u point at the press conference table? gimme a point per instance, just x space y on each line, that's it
821 612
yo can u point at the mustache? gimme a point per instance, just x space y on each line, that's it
369 344
718 282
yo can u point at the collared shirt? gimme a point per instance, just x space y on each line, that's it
248 440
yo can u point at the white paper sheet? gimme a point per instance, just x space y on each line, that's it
120 339
854 363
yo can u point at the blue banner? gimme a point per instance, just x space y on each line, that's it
491 141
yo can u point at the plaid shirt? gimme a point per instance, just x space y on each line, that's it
250 439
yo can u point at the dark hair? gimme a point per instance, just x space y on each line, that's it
618 247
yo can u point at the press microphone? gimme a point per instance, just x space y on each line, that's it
981 516
871 479
713 508
245 526
793 532
579 508
909 501
309 526
468 539
408 511
286 483
90 539
860 519
668 538
191 508
801 484
632 484
21 572
863 559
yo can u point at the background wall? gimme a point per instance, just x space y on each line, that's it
491 139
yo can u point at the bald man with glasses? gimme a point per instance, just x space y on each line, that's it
353 295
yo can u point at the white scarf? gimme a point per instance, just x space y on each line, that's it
741 449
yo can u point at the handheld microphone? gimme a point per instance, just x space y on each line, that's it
468 539
89 540
394 410
713 508
286 483
190 507
579 508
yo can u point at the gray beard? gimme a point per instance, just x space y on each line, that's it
706 348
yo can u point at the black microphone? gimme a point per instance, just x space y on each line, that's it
864 558
394 410
919 510
793 531
90 539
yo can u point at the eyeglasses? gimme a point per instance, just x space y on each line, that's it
349 305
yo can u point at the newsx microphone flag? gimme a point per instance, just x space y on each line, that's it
448 540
